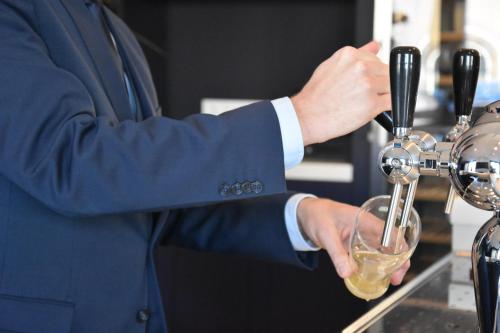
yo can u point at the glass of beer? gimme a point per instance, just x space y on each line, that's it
376 263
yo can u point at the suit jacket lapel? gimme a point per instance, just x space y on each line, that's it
99 49
138 68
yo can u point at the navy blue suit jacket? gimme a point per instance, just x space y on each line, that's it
80 180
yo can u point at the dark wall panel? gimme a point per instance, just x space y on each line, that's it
248 49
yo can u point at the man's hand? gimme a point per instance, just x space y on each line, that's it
329 225
344 93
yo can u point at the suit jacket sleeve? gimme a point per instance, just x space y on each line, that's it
55 145
247 227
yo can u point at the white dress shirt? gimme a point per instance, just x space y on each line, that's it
293 151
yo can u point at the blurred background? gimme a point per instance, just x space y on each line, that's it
211 56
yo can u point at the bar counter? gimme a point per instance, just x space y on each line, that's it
431 302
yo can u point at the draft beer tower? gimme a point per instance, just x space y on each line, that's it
469 157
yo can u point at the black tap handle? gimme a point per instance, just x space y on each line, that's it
385 120
404 74
465 74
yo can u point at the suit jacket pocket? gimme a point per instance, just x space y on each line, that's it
28 315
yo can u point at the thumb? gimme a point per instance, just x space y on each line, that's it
372 47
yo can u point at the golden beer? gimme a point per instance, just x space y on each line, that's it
372 278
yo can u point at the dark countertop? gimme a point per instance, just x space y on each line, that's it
423 305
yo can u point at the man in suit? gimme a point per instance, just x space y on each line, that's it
86 160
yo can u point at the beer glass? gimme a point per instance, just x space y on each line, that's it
376 263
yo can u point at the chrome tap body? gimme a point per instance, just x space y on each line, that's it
469 157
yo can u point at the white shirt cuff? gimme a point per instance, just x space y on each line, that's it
294 233
291 133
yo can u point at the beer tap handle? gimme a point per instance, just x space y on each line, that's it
465 75
404 73
466 64
385 120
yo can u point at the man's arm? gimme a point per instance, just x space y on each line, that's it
253 228
56 148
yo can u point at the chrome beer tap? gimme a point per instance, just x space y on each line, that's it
399 159
470 157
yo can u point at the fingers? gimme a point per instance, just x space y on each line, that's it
383 103
369 52
380 84
349 54
371 68
371 228
376 68
374 78
372 47
333 244
397 277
